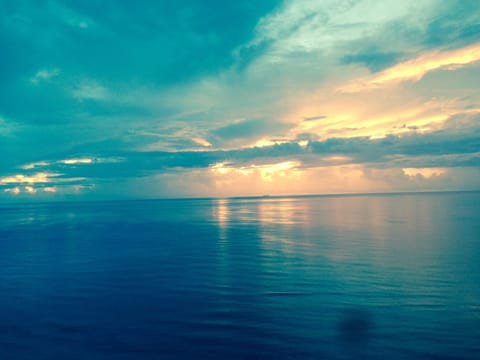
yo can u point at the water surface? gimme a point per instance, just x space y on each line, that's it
347 277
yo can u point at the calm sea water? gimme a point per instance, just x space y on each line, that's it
348 277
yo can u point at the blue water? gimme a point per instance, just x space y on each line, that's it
347 277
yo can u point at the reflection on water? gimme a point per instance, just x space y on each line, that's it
311 277
222 212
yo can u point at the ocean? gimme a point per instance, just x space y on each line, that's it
393 276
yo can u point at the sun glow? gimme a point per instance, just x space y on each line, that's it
266 171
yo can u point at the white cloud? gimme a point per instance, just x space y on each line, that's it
89 90
44 75
311 25
7 127
76 161
70 17
34 165
202 142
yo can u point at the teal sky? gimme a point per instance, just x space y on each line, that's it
146 99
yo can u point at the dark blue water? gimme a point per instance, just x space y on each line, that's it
352 277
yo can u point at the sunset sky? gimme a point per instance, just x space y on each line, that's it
149 99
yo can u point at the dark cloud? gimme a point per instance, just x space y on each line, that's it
374 61
446 30
364 150
452 24
157 41
312 118
121 43
437 149
249 129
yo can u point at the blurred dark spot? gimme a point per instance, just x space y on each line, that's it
355 326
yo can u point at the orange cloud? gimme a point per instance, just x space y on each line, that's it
22 179
350 115
30 189
202 142
15 190
415 69
266 172
425 172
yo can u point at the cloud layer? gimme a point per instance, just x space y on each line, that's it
224 99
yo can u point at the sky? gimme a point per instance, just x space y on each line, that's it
211 98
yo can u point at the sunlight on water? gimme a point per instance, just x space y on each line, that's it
342 277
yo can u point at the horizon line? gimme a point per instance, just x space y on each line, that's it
25 201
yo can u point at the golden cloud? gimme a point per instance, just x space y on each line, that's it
416 68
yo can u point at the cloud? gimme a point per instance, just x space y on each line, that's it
424 172
76 161
44 75
16 190
266 171
416 68
89 90
69 16
456 22
443 148
116 46
7 128
313 118
374 61
248 129
71 161
30 189
304 26
22 179
154 97
161 40
409 148
202 142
